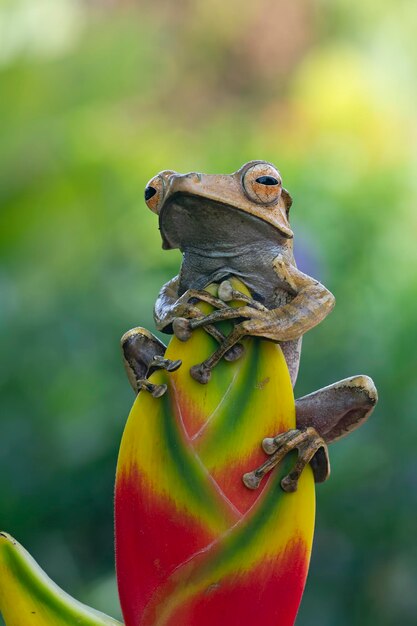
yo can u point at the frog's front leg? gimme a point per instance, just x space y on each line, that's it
170 307
310 303
322 417
143 354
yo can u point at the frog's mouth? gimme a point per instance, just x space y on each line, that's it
188 221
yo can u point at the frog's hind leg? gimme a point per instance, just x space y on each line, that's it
322 417
143 354
338 409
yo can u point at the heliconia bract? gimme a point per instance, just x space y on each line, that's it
194 546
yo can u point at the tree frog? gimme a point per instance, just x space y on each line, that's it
238 225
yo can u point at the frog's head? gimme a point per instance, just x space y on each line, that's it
206 208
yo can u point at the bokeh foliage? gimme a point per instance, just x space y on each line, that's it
98 96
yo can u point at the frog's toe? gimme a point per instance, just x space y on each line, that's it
251 480
182 328
226 291
156 391
289 484
269 445
173 365
200 373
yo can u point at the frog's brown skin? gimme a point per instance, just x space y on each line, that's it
237 225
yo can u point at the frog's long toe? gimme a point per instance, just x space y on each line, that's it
228 293
234 353
204 296
155 390
202 371
311 449
159 362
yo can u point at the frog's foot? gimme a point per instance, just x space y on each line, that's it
158 363
183 326
311 449
229 347
143 354
188 310
202 372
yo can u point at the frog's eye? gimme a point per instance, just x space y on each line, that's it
149 192
262 184
154 192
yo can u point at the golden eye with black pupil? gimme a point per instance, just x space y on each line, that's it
154 193
262 183
149 192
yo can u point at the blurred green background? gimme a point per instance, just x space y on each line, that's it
96 97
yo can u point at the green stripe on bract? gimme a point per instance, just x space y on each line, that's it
184 467
235 550
192 396
231 414
243 537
